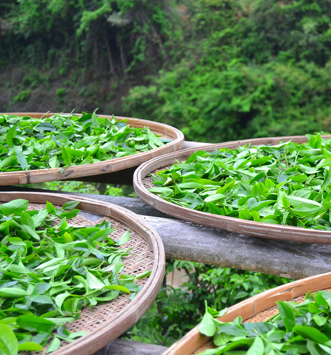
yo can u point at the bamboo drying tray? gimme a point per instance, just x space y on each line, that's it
111 319
258 308
143 182
103 167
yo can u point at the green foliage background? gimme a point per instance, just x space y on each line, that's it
217 69
259 68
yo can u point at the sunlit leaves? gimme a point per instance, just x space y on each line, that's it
8 341
50 270
288 183
292 331
64 140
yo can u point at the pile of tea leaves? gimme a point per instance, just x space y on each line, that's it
298 328
288 183
50 270
61 140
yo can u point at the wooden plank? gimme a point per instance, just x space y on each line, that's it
127 347
187 241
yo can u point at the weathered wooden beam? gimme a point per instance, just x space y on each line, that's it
188 241
123 177
127 347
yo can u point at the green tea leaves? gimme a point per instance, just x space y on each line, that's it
93 282
30 346
311 333
215 197
287 184
8 341
124 238
12 292
257 347
287 314
15 206
35 324
21 160
45 126
207 325
54 345
66 156
11 134
289 332
65 140
49 272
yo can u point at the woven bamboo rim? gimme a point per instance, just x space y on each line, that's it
256 308
111 319
142 182
104 167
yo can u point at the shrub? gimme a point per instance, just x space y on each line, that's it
177 310
22 96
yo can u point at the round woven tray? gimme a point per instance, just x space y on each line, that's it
255 309
103 167
111 319
143 182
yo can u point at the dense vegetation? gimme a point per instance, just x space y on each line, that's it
217 69
65 55
177 310
258 68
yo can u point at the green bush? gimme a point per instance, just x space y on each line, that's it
178 310
61 92
22 96
33 78
239 101
115 36
259 68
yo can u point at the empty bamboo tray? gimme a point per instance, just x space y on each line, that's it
111 319
258 308
103 167
143 182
